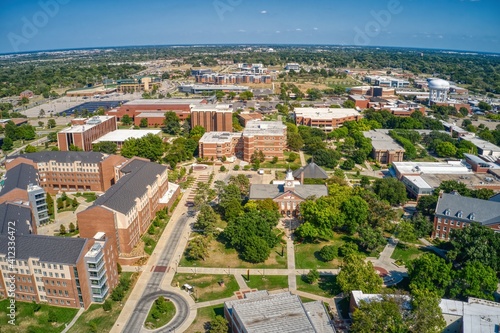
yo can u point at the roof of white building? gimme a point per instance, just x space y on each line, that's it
450 167
325 113
91 122
123 134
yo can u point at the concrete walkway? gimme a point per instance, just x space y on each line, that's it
72 322
290 252
241 281
430 246
302 158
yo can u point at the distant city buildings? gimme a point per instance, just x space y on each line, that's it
326 119
293 66
385 81
118 137
210 88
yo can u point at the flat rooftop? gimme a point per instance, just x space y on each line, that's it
382 141
483 144
471 180
122 135
165 101
279 313
218 137
258 127
215 108
419 182
325 113
90 123
450 167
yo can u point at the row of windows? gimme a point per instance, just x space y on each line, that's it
56 292
25 288
452 222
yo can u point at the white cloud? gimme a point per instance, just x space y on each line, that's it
263 11
298 29
241 30
315 28
277 31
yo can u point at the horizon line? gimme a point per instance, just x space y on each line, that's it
247 44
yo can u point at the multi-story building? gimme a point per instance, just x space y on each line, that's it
139 83
181 107
36 198
326 119
292 66
266 136
84 131
126 210
46 273
70 171
454 211
217 118
288 194
21 185
210 88
284 312
385 150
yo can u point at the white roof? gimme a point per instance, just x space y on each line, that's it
450 167
419 182
484 145
325 113
438 84
122 135
218 137
256 127
91 122
382 141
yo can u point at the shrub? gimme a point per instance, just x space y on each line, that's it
151 230
328 252
119 268
72 227
311 277
92 327
36 307
236 167
52 316
347 249
117 294
62 229
107 305
222 168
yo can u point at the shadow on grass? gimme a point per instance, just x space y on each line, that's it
328 283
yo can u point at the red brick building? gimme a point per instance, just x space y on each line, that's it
326 119
266 136
84 131
217 118
454 211
182 107
126 210
71 171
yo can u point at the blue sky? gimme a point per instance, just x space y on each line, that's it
446 24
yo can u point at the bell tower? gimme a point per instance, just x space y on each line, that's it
289 181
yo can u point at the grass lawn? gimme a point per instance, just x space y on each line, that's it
150 241
326 286
207 287
220 256
307 255
280 165
104 320
164 318
406 253
204 316
270 282
28 321
306 300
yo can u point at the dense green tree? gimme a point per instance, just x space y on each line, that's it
426 315
126 120
422 226
7 143
218 325
328 252
446 149
348 164
106 147
371 238
311 277
430 272
475 280
379 316
206 220
405 232
52 136
391 190
30 149
326 157
51 123
475 243
150 146
427 205
358 275
355 211
144 122
349 104
198 248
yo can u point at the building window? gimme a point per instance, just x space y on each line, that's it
447 212
460 214
458 224
438 227
472 216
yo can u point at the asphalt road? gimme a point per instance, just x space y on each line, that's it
153 291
